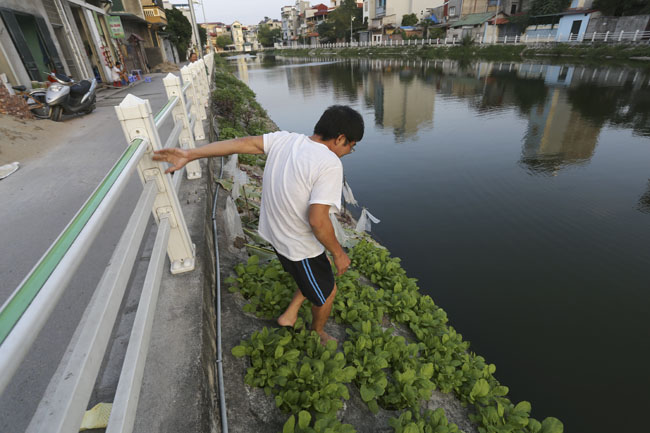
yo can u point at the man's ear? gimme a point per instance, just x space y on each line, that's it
341 140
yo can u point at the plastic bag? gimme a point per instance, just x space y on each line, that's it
347 194
364 223
230 168
240 178
7 169
233 230
338 230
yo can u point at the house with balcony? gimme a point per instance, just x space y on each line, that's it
289 24
160 48
237 35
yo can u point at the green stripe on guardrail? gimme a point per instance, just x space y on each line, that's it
27 291
163 109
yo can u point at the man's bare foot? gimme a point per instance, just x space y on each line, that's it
325 337
283 320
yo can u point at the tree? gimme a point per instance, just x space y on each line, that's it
267 36
223 41
203 35
409 20
546 7
619 8
337 25
180 31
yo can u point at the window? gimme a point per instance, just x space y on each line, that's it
492 2
452 11
513 9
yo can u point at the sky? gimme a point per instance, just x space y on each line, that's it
244 11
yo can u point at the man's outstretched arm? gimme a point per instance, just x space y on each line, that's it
321 225
178 158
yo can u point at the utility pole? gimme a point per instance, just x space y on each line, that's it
195 29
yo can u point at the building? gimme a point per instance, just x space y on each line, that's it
250 38
237 35
271 23
213 31
289 24
75 37
384 17
569 25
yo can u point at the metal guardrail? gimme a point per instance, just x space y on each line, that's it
24 314
611 37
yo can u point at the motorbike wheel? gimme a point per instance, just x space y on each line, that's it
57 113
40 110
92 106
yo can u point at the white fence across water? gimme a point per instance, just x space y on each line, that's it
606 37
23 315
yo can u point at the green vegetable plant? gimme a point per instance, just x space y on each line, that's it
327 424
431 421
297 369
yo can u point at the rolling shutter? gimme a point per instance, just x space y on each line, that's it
20 43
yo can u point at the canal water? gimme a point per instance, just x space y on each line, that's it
518 194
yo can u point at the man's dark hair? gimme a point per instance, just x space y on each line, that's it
118 63
337 120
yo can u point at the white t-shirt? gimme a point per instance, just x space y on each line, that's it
115 72
299 172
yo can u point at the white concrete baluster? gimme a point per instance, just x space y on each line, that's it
173 87
192 93
137 122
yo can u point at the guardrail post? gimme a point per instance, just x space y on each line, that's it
137 122
606 36
197 106
173 87
204 86
635 36
620 37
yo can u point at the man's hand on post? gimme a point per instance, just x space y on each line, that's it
178 158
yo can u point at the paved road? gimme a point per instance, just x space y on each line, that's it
38 201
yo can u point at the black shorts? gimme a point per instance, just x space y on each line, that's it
313 276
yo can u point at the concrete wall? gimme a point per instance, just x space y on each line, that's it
617 24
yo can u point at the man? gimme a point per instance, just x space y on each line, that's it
193 57
303 179
118 75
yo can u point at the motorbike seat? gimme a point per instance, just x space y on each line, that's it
80 88
19 88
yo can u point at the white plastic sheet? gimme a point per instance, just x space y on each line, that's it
233 227
7 169
230 168
338 230
239 179
364 223
347 194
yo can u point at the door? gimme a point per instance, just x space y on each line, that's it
575 29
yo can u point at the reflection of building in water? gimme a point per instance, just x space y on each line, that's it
558 135
402 101
242 69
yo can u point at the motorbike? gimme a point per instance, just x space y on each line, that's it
64 96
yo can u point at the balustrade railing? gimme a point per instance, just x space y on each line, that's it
65 401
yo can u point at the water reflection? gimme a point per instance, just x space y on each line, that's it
565 106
